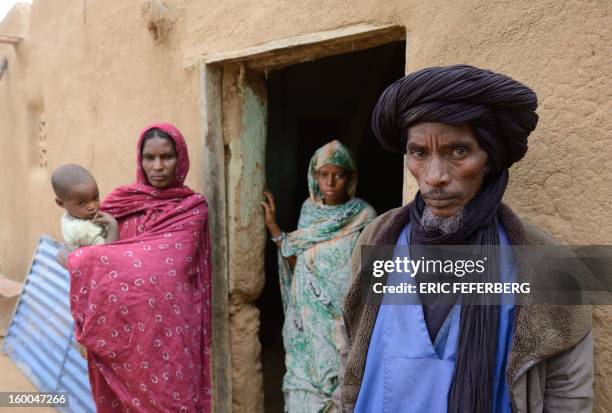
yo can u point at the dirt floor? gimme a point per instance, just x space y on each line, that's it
12 380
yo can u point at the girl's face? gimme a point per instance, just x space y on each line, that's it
333 183
158 161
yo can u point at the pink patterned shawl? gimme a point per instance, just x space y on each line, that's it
142 304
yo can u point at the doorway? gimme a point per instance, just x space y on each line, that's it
309 104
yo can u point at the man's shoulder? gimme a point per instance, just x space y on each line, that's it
378 223
521 232
539 235
387 216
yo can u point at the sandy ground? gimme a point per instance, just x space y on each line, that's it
12 380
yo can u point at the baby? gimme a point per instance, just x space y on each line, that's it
82 224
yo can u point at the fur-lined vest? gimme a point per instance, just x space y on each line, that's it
550 366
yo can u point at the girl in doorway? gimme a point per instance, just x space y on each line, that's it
314 270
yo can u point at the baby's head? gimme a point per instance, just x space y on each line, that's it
76 191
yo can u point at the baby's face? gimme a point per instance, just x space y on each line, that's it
83 200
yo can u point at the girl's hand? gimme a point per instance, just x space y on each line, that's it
270 213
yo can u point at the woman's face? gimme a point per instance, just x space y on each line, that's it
333 183
159 160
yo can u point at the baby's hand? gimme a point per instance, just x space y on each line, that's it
104 219
109 223
62 255
82 350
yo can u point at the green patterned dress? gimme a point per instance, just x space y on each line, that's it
312 293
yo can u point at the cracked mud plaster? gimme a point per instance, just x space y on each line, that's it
245 131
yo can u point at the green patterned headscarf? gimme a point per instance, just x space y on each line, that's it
333 153
319 222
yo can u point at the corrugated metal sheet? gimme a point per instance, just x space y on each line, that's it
40 339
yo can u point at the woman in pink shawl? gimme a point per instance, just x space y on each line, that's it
142 304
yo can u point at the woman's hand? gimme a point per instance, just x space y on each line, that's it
270 214
110 225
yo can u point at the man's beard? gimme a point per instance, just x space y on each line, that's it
445 225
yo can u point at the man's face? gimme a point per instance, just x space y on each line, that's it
159 161
448 164
81 201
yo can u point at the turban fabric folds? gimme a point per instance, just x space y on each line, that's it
499 109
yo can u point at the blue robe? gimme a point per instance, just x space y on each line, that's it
406 373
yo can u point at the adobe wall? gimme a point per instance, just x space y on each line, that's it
96 72
95 76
